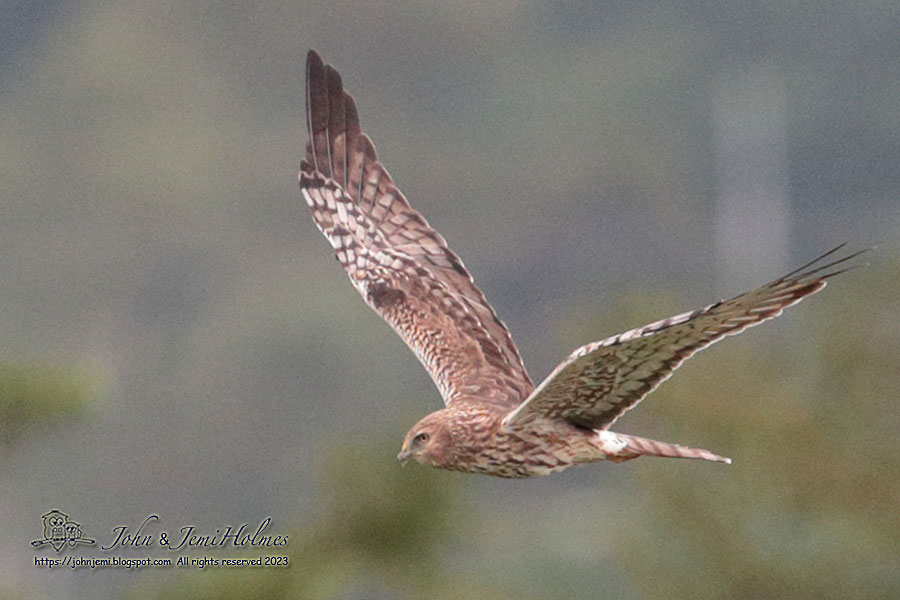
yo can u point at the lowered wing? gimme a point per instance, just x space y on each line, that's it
602 380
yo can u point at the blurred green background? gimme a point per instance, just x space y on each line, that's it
176 338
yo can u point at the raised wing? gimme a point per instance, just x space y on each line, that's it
602 380
401 266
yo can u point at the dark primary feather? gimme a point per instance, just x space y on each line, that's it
496 422
401 266
602 380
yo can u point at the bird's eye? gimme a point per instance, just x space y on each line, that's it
421 437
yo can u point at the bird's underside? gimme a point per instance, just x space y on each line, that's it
495 421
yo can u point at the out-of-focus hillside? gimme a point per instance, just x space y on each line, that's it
597 166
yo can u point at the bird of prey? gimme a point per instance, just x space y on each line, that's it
495 421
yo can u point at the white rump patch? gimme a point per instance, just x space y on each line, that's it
610 443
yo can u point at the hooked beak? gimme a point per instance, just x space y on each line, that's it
404 455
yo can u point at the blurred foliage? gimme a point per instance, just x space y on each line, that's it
151 216
809 510
32 395
380 533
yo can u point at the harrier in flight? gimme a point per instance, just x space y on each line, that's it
495 421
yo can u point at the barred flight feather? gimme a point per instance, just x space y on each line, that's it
495 421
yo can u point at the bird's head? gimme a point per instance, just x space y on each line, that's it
429 441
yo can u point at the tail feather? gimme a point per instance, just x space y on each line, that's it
631 446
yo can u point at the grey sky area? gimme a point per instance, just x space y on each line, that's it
597 165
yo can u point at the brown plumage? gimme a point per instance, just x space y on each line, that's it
494 420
